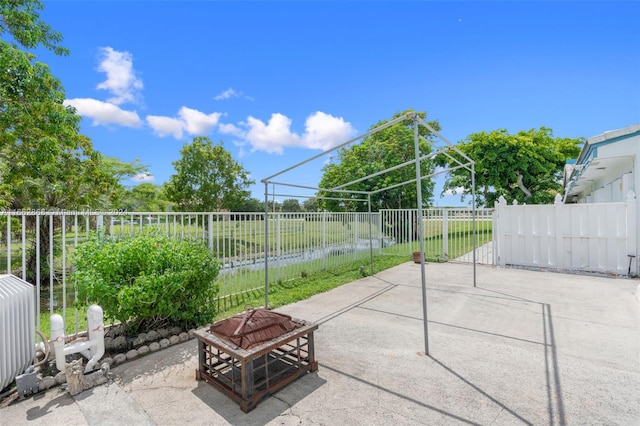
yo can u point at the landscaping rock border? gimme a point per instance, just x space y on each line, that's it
118 350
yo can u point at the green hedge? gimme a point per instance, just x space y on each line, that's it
148 278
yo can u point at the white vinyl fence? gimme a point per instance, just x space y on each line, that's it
593 237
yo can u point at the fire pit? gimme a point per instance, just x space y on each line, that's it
254 354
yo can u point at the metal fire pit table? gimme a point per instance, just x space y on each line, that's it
254 354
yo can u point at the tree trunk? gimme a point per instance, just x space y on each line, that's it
523 188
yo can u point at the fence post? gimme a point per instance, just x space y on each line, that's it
495 232
279 253
324 239
24 248
8 243
210 230
445 233
501 205
558 219
632 228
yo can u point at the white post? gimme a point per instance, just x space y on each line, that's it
501 214
445 234
632 230
558 205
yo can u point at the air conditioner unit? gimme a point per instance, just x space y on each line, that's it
17 327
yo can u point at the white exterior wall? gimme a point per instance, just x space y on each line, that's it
619 182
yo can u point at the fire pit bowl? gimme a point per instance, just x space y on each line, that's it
254 354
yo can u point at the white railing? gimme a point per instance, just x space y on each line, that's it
448 233
38 246
595 237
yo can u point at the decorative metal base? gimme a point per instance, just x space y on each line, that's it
249 375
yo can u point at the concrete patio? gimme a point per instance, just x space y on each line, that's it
523 347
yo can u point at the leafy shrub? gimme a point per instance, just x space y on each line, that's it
148 278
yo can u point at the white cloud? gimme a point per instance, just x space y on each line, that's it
189 121
104 113
121 80
165 126
231 93
230 129
143 177
456 191
196 122
322 131
273 136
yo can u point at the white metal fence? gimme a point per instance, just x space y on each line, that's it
595 237
39 246
448 233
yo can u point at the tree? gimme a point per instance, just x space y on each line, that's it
33 121
145 197
20 18
207 178
44 161
291 205
382 150
526 166
251 205
310 205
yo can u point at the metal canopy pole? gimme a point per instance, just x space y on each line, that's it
473 212
416 143
416 121
266 245
370 237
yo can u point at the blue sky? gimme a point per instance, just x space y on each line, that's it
278 82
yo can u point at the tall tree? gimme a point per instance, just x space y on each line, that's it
251 205
44 160
21 19
526 166
382 150
145 197
310 204
207 178
291 205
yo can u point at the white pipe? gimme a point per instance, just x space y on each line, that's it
79 347
57 337
93 349
95 326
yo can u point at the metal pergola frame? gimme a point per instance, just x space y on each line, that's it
416 121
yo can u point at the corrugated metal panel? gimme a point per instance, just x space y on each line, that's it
17 327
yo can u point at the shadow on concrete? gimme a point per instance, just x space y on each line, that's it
154 363
355 305
35 413
399 395
269 408
480 391
555 401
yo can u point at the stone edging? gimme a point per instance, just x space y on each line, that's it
47 382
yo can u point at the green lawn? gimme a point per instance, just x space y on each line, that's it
280 293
